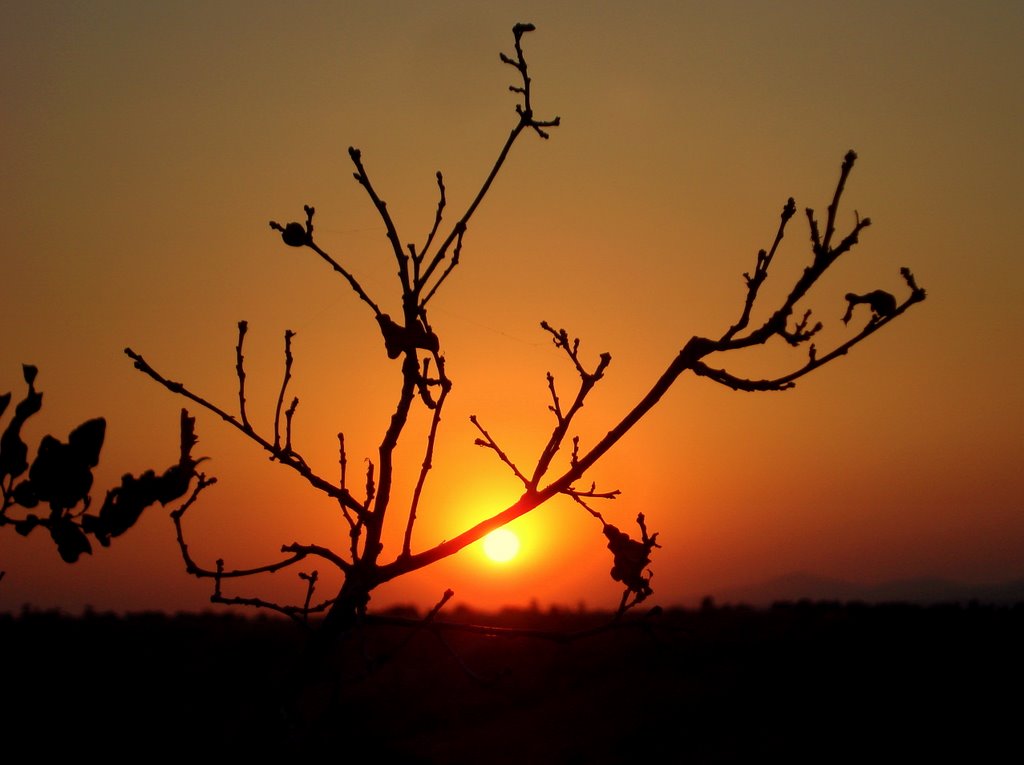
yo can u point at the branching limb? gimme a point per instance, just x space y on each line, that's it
319 552
288 335
289 457
764 261
579 499
814 360
295 235
299 614
298 553
489 443
460 232
526 120
202 483
690 358
564 419
801 333
525 109
592 493
823 257
833 208
410 338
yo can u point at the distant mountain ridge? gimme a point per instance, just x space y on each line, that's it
923 590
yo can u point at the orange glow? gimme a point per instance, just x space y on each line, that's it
136 199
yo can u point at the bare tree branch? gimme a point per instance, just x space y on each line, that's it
285 456
410 339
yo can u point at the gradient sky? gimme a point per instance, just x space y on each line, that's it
145 147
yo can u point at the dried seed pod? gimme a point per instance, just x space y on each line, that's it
294 235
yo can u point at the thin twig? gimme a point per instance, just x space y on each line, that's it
240 371
288 335
489 443
428 456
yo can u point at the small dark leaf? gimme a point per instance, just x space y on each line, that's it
86 441
25 495
124 504
71 541
91 524
4 401
60 475
394 335
25 526
13 451
29 371
173 483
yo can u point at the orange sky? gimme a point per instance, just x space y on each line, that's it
146 147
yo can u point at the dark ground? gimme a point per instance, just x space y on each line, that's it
811 682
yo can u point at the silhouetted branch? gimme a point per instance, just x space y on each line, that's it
690 358
489 443
294 235
410 339
563 420
844 173
441 202
382 210
593 493
219 573
286 456
243 326
526 120
525 110
460 231
764 261
428 457
299 614
288 335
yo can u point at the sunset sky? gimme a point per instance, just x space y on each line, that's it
147 145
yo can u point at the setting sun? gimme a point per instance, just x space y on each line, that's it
501 545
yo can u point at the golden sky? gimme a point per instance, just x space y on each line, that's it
145 147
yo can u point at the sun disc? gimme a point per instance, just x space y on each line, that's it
501 545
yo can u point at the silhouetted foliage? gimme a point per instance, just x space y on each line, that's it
61 477
410 338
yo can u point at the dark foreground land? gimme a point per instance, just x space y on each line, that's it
800 682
